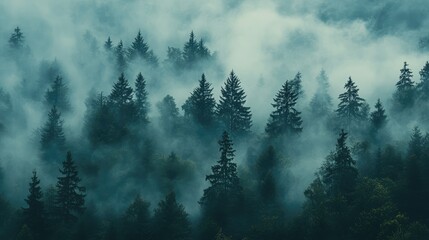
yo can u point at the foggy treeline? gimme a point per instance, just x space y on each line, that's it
118 141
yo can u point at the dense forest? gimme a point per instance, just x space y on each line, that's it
123 143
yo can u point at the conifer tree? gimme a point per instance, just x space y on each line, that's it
404 95
136 222
108 45
224 182
52 137
57 95
423 86
235 117
139 48
321 103
121 97
350 109
34 213
266 168
338 172
70 197
200 106
297 84
203 51
169 113
174 57
378 116
190 50
171 220
142 105
121 61
285 119
16 40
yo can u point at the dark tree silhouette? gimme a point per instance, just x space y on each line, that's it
190 50
57 95
423 86
136 222
170 220
16 40
404 95
70 197
169 114
52 139
121 61
34 215
351 107
108 45
235 117
321 103
297 84
200 106
142 104
285 119
378 116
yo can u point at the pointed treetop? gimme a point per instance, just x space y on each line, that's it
16 40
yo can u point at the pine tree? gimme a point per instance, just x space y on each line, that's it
297 84
378 116
169 113
121 61
16 40
190 51
266 168
404 95
224 182
121 98
200 106
70 198
321 103
52 138
171 220
174 57
142 104
203 51
137 220
235 117
139 48
57 95
285 119
423 86
34 213
339 172
350 109
108 45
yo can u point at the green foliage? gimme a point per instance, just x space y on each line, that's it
350 110
285 119
142 104
169 114
121 60
52 138
136 222
234 116
378 116
34 215
404 95
321 103
57 95
16 40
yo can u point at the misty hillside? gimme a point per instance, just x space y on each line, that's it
225 120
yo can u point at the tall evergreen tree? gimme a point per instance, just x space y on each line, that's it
404 95
203 51
171 220
57 95
121 61
174 57
142 104
339 172
34 213
378 116
297 84
235 117
321 103
266 169
121 97
52 137
16 40
139 48
190 50
70 198
423 86
108 45
200 106
350 109
285 119
169 113
136 222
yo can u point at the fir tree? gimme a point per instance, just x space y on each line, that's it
285 119
139 48
235 117
57 95
339 172
321 103
224 182
404 95
378 116
171 220
142 105
121 61
200 106
174 57
169 113
423 86
190 51
203 51
70 198
108 45
34 213
121 98
52 138
137 220
16 40
297 84
266 168
350 107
